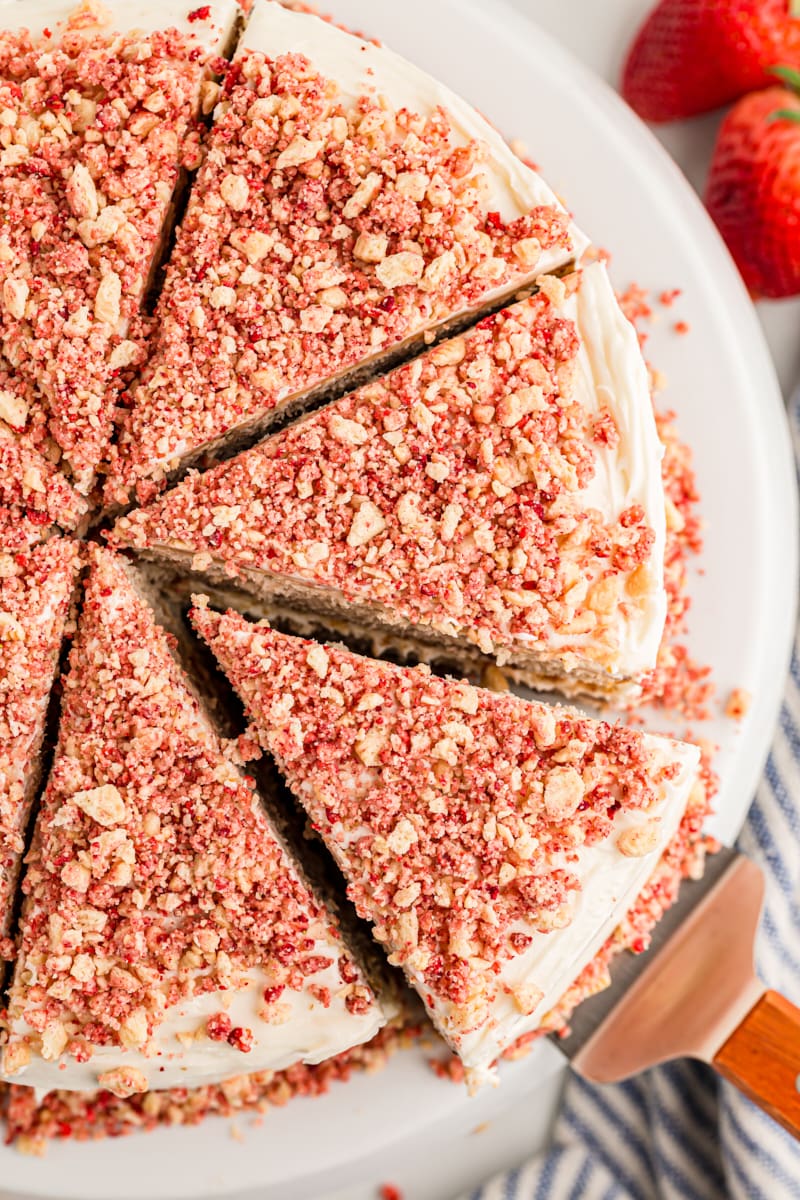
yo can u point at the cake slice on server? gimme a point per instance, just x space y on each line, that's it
166 938
35 592
348 205
502 493
98 108
495 844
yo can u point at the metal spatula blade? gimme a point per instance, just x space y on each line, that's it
695 994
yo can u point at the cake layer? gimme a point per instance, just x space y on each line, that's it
166 938
97 118
494 843
503 490
347 205
35 591
34 497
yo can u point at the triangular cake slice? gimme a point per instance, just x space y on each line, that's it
98 103
35 497
348 204
503 491
494 843
35 591
166 938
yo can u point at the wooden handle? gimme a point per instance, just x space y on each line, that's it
762 1059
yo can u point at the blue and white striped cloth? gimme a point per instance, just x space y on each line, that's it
678 1132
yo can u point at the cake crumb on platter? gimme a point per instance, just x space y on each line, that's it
738 704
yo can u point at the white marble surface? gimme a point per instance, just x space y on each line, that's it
452 1162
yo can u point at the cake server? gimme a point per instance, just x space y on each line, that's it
695 994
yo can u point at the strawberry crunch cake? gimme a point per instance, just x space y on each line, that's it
220 218
97 108
494 843
165 939
348 204
503 490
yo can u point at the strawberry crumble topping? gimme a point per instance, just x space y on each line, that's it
35 591
93 127
466 493
86 1116
34 497
325 231
684 858
155 888
465 821
738 704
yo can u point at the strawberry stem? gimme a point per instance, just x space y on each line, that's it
789 75
794 8
785 114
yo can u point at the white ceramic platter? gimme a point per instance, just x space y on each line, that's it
628 195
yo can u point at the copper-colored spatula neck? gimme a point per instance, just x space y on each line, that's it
697 990
700 998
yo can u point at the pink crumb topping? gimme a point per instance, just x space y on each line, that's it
35 590
684 858
86 1116
34 497
94 126
321 233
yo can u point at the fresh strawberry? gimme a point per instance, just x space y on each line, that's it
694 55
753 190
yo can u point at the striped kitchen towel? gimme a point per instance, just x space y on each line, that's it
677 1132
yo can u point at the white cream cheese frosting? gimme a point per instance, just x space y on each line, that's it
612 375
122 16
359 67
303 1030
